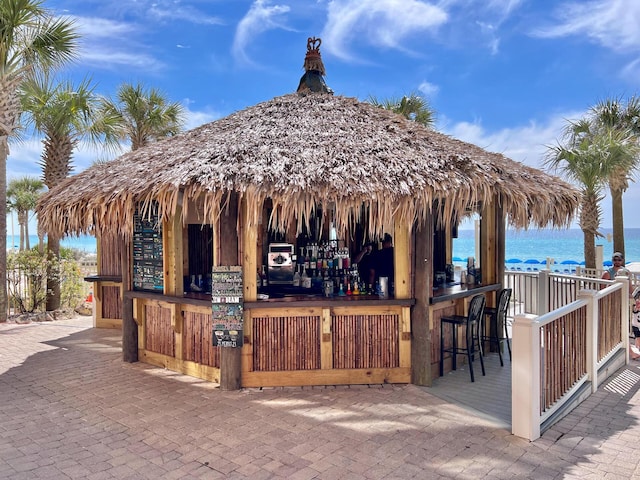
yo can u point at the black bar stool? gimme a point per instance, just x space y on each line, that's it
498 323
473 322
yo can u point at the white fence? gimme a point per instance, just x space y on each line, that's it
566 328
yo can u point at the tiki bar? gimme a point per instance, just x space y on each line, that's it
248 251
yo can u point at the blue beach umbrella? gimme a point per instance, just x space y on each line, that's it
513 260
607 263
456 259
531 261
583 262
569 262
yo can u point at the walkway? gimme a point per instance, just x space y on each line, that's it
70 408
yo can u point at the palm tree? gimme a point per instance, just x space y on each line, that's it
414 107
143 115
589 157
31 39
613 114
22 194
64 114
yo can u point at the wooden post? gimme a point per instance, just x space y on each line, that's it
129 326
230 358
421 335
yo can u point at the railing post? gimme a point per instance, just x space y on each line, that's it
592 336
525 377
626 307
543 291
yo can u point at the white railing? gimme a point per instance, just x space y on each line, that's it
555 353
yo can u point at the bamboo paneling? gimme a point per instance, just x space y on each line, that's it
159 335
365 341
111 302
110 255
286 343
563 356
609 323
197 342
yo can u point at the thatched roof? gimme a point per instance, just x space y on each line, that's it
300 150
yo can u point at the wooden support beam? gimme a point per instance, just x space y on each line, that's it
231 358
401 260
129 325
173 252
420 320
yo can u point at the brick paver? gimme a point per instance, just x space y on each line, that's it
70 408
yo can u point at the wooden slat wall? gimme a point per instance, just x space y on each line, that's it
365 341
197 342
111 302
563 359
609 323
159 335
286 343
110 251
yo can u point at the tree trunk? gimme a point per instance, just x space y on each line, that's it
589 249
618 220
53 274
4 151
26 231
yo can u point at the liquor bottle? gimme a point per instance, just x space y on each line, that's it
296 278
305 280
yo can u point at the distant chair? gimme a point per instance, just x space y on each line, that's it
498 323
473 323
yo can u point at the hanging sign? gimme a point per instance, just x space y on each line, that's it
227 306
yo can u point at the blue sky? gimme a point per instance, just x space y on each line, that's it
503 74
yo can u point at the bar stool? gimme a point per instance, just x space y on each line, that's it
473 322
498 323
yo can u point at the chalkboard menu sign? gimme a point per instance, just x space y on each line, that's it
147 252
227 306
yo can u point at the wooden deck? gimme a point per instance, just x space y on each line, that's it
488 396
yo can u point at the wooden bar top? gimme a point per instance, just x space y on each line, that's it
289 301
460 291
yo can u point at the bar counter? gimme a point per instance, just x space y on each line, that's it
454 292
311 300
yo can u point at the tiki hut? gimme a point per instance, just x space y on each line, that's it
302 169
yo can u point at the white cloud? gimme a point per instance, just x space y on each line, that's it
428 89
174 11
610 23
526 143
261 17
196 118
110 44
384 23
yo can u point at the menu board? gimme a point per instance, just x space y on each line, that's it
148 273
227 306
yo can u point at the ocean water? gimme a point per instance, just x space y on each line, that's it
561 245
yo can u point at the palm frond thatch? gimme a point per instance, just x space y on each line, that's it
300 150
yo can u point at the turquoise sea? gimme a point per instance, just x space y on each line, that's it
561 245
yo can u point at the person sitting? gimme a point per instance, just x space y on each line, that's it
617 269
382 262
